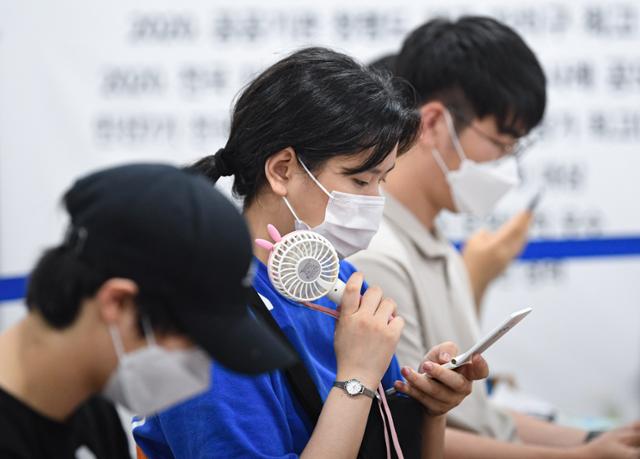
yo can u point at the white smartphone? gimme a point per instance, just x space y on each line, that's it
484 344
488 340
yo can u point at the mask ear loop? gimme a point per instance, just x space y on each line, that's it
148 332
438 157
295 216
315 180
453 134
293 212
116 339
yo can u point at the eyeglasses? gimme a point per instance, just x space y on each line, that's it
515 149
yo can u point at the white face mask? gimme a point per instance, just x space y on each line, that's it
477 187
350 220
153 378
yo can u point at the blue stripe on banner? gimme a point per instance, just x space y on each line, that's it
13 288
547 249
562 249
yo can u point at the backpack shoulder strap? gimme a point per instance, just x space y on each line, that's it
301 383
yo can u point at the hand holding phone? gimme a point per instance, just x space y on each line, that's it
488 340
484 344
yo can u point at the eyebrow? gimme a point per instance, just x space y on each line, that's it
377 170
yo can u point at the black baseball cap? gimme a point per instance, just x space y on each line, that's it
176 236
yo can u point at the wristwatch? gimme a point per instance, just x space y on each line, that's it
353 387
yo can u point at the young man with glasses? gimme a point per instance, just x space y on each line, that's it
480 91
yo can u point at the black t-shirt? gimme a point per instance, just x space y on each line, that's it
93 431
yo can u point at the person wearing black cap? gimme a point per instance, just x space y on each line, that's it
149 285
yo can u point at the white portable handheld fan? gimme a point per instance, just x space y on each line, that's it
303 265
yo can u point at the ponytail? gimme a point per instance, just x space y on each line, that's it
213 166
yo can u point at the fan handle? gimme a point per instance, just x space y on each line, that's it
336 292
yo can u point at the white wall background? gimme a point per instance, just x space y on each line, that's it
86 84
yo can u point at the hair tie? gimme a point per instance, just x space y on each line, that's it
222 166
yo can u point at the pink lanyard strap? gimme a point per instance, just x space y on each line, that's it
382 400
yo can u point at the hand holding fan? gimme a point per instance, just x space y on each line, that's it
304 266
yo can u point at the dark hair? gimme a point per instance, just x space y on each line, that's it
478 67
61 281
320 103
386 63
58 284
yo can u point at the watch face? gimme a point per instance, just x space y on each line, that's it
353 387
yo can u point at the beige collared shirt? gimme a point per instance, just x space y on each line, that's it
427 278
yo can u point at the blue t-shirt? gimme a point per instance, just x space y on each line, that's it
254 416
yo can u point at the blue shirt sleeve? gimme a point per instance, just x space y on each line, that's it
241 417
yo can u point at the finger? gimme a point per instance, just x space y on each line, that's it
386 310
430 404
370 300
396 324
482 235
477 369
442 353
351 296
444 357
431 387
630 438
433 406
515 229
452 379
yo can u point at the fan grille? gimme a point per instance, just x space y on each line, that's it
303 266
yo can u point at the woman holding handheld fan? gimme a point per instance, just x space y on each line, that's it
311 139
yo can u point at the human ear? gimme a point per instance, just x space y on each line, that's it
115 299
432 125
279 170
